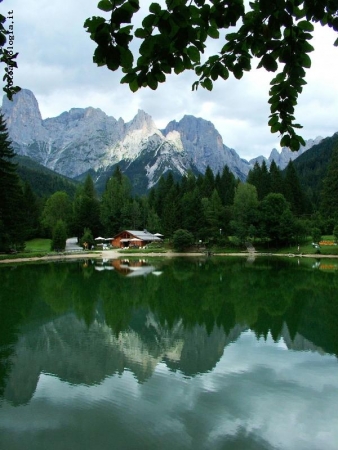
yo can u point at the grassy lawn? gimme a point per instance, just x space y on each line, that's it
33 248
38 245
305 248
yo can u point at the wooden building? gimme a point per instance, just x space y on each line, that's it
134 238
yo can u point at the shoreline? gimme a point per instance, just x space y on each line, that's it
114 254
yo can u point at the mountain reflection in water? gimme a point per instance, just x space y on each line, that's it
197 319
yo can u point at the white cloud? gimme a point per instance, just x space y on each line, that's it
55 62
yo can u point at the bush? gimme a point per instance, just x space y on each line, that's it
335 233
59 236
316 235
182 239
87 238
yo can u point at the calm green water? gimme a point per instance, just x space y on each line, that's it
169 354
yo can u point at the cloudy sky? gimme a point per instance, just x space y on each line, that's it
55 62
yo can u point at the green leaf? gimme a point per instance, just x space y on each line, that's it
149 21
224 73
305 25
160 76
194 86
102 34
213 32
126 57
152 82
105 5
269 63
285 141
113 58
135 4
179 66
336 43
305 61
147 46
306 47
122 15
274 107
273 120
99 56
165 67
207 84
128 78
231 36
294 144
275 127
133 85
193 54
187 62
301 140
141 33
92 23
278 78
214 73
238 72
155 8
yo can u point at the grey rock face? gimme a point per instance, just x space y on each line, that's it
282 159
87 139
204 146
23 118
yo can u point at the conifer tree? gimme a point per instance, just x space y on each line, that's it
170 216
226 186
86 209
329 194
276 179
59 236
58 207
293 191
254 175
259 177
11 198
32 212
264 185
116 195
213 212
208 184
245 210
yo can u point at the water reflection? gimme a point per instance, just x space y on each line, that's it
208 346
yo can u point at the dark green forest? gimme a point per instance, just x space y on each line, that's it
43 181
273 207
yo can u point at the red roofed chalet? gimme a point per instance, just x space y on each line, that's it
134 238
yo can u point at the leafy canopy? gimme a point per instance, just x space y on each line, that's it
174 35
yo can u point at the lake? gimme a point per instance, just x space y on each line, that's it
201 353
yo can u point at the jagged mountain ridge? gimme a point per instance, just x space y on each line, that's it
83 140
86 140
282 159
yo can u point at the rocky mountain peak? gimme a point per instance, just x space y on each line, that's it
204 146
282 159
22 104
142 122
86 139
23 116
